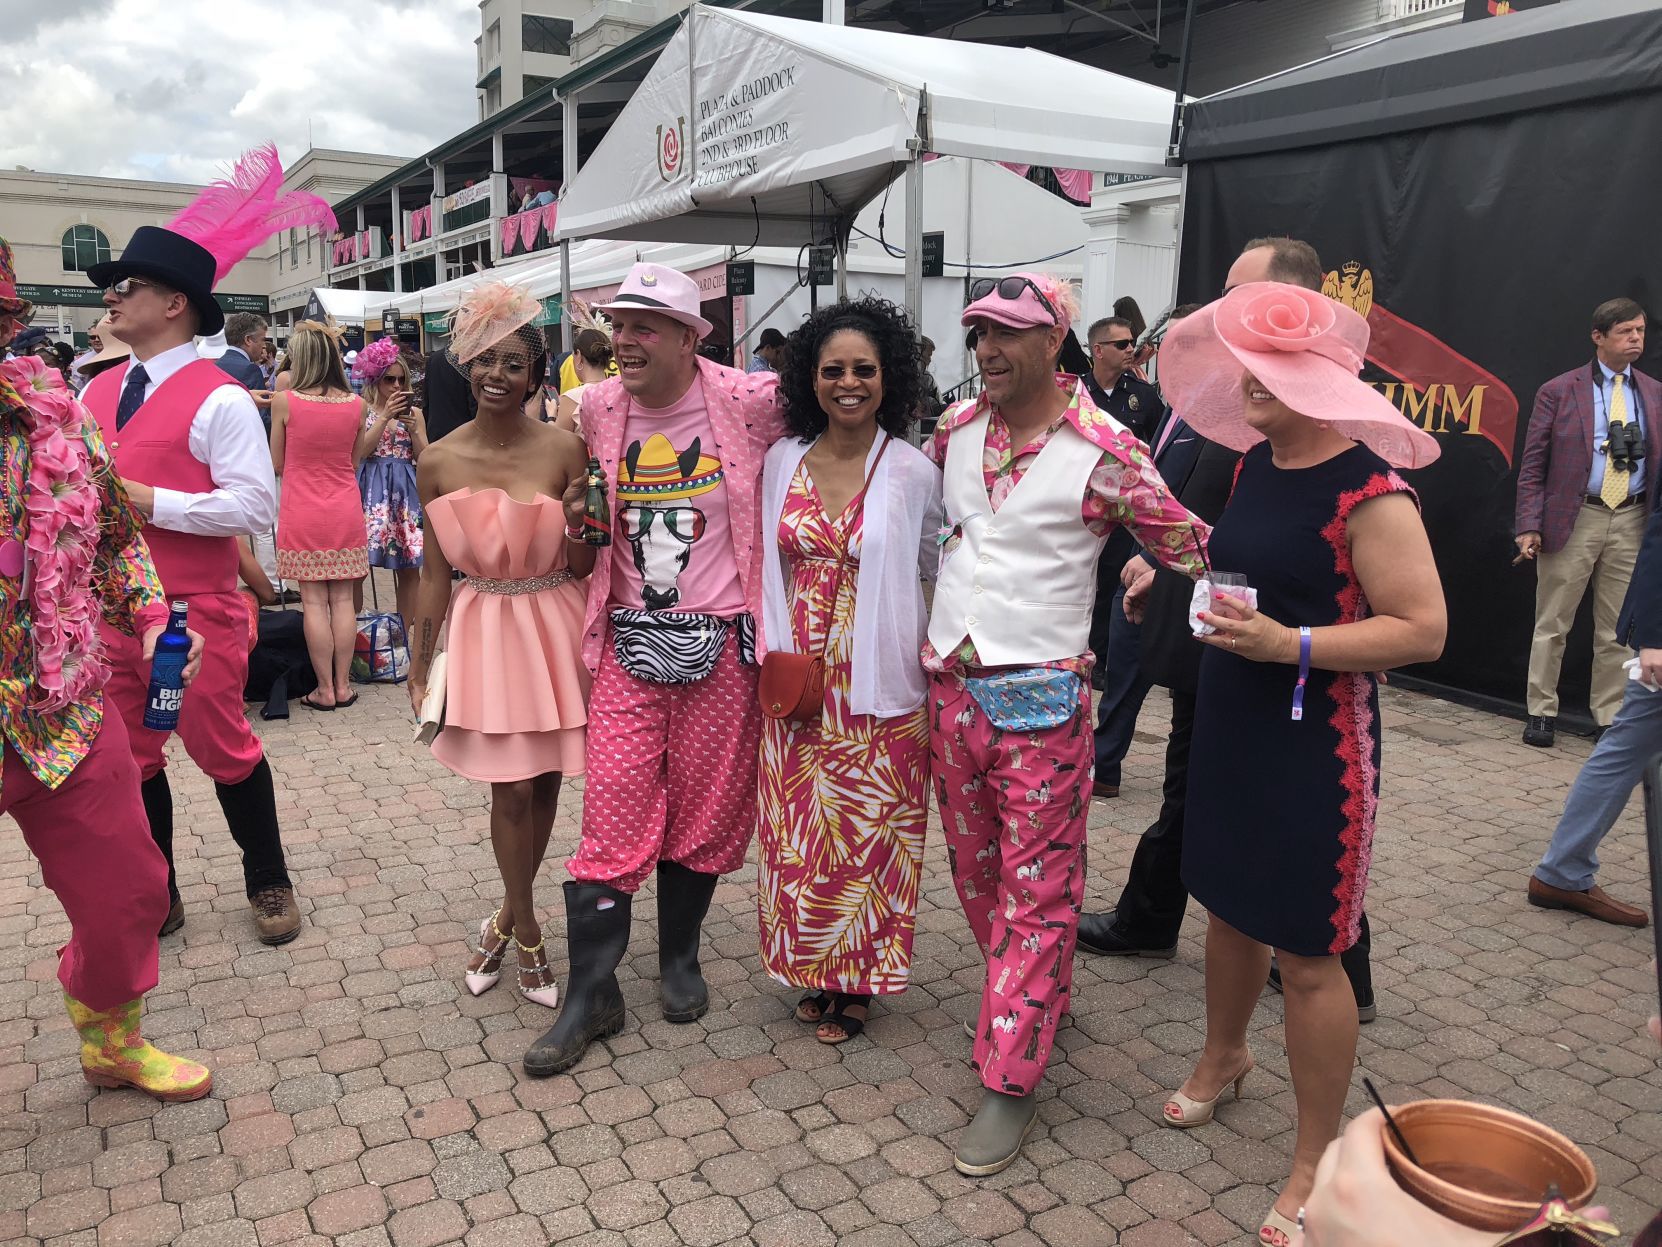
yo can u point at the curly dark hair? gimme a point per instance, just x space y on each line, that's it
889 328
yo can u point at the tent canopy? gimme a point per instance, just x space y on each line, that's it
348 307
772 130
1536 58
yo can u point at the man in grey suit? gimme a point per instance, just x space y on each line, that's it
244 344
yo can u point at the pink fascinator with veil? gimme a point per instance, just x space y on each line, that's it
374 360
1301 346
488 314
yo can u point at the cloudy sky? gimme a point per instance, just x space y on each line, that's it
175 89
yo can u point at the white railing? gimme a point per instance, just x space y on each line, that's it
1391 10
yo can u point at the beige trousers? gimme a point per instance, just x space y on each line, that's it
1602 548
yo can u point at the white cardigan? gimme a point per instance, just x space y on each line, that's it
902 507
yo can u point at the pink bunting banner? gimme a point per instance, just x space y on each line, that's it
1076 184
510 235
530 222
550 215
364 245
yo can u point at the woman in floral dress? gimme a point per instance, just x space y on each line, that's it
850 516
387 477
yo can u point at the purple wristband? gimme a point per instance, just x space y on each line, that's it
1303 674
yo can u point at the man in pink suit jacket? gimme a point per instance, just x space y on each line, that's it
671 635
1579 515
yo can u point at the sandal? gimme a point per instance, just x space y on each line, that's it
307 702
350 701
851 1026
819 1001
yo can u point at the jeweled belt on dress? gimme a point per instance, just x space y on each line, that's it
513 588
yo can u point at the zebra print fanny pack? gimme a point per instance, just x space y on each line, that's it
675 647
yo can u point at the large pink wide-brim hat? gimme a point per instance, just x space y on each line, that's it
1304 348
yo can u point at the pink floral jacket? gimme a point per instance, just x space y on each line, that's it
87 560
746 417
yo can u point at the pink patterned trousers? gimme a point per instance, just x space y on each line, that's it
1013 805
672 773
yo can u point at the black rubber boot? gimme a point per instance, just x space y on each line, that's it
597 936
683 900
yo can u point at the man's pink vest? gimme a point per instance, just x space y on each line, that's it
154 448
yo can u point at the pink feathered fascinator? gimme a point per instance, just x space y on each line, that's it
488 314
374 360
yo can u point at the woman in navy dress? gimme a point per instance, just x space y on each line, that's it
1284 776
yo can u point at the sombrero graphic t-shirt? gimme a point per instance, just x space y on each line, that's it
673 545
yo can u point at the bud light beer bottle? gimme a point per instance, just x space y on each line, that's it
597 515
167 674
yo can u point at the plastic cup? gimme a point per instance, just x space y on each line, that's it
1485 1168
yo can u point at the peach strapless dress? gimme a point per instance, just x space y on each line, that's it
516 690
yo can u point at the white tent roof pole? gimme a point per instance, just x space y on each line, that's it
914 215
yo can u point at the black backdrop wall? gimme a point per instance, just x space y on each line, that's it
1478 252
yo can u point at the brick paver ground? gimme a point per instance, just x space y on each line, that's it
364 1099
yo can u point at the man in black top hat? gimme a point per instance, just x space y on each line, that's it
188 442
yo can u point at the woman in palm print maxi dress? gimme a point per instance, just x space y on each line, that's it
843 800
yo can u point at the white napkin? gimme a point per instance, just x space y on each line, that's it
1631 666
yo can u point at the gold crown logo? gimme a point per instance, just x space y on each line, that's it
1352 269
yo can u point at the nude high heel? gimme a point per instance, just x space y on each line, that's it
1185 1113
484 978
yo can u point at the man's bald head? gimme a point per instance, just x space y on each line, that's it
1276 259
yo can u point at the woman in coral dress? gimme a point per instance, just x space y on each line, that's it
516 690
317 439
844 798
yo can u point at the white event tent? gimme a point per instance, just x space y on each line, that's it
751 129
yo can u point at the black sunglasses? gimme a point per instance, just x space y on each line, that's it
1119 344
121 289
834 372
1010 288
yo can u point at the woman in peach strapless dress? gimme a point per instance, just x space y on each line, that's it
516 689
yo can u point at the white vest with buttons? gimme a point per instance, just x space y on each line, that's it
1021 583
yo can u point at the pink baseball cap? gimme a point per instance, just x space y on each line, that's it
1021 301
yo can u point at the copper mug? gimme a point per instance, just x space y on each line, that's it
1485 1168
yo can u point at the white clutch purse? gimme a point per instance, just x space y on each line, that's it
431 719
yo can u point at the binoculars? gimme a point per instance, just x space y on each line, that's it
1625 445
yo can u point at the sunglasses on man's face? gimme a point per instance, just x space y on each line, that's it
1119 344
1010 288
121 289
835 372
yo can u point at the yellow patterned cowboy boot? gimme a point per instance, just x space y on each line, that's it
114 1054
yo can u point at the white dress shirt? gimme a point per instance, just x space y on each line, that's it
228 437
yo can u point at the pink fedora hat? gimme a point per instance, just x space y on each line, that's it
658 288
1304 348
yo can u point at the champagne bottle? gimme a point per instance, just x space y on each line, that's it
597 514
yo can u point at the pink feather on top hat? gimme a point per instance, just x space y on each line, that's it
234 215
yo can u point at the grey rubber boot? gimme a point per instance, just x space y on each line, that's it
991 1143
